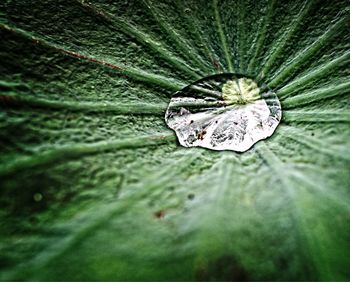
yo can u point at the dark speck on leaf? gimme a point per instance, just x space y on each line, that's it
216 64
225 268
159 214
190 196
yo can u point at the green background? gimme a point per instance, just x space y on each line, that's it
94 186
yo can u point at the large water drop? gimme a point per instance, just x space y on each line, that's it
223 112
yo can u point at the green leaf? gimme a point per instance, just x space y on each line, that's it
94 185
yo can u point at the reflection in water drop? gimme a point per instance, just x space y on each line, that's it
223 112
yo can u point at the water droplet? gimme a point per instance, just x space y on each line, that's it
37 197
223 112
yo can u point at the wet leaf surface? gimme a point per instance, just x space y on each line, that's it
95 186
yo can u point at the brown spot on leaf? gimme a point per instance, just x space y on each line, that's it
216 65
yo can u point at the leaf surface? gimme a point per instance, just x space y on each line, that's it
94 185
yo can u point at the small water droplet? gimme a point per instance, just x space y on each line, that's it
223 112
187 10
37 197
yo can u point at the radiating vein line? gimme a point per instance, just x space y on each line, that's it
193 23
274 163
308 239
286 37
84 225
162 176
6 121
187 50
37 129
241 34
74 151
328 195
136 108
222 36
227 178
261 35
316 95
313 75
307 53
13 85
282 174
225 171
142 38
136 74
314 143
316 116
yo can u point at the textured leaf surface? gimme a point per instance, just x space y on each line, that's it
94 186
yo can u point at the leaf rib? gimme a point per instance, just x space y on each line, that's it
315 187
307 53
241 35
313 143
193 24
313 75
142 38
136 74
316 95
79 150
187 50
259 42
306 238
222 36
136 108
286 37
316 116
